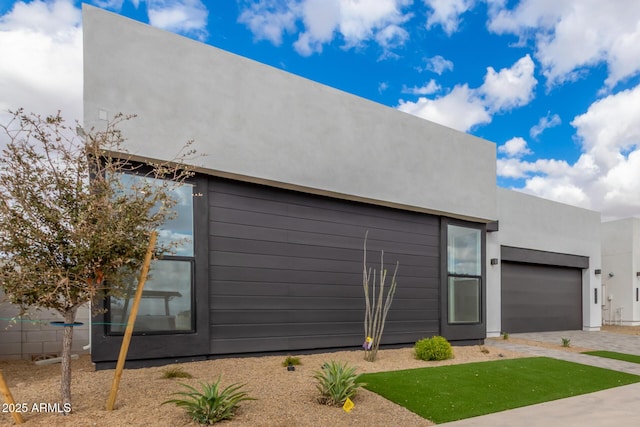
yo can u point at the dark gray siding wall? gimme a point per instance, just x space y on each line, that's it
285 270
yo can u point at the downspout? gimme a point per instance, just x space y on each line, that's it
88 346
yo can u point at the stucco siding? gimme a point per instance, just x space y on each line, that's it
620 265
261 124
530 222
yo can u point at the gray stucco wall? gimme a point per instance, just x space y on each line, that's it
620 264
260 124
533 223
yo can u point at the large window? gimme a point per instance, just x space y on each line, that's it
167 299
464 270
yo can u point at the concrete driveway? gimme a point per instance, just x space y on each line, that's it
619 406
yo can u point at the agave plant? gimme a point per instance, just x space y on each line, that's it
212 403
336 382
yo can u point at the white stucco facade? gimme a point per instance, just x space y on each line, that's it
533 223
620 267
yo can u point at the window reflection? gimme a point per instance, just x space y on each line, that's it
464 267
166 300
178 230
463 249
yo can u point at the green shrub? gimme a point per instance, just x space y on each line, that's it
505 335
435 348
212 403
175 372
336 383
291 361
566 342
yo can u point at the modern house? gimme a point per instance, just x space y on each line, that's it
621 272
296 174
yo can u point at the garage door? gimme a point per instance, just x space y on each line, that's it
538 298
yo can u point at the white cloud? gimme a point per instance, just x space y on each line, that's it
383 86
446 13
606 177
610 129
41 51
460 109
515 147
464 107
361 20
516 168
510 87
391 37
428 89
563 191
269 20
438 65
570 35
356 22
321 20
545 123
187 17
622 186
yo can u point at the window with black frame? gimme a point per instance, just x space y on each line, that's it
167 300
464 271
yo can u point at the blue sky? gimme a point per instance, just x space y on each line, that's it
554 84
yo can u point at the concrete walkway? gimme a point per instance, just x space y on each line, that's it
618 406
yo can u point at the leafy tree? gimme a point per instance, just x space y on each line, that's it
71 230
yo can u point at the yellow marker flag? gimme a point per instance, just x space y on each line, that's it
348 405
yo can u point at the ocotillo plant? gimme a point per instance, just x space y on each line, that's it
376 306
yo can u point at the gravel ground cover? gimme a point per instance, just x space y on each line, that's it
283 398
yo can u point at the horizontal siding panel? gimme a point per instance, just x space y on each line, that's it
280 330
234 317
285 269
310 250
248 345
224 275
234 216
354 290
262 233
291 203
277 330
305 264
304 303
301 343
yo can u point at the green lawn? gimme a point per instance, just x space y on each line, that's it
613 355
448 393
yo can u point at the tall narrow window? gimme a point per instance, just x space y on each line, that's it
167 300
464 271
